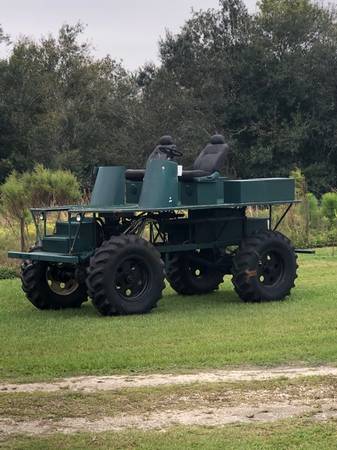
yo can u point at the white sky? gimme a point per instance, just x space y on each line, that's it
128 30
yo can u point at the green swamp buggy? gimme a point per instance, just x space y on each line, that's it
142 226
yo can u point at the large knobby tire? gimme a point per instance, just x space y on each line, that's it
265 267
126 276
52 286
187 277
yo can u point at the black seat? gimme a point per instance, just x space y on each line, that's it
138 174
210 160
135 174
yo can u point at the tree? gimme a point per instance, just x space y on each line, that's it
329 209
329 206
40 188
258 79
14 203
266 81
63 108
4 38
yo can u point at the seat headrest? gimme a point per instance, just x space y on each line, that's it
217 139
214 155
166 140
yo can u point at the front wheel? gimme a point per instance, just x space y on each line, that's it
126 276
52 286
265 267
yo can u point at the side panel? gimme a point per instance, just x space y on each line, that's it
109 189
202 192
160 185
133 191
259 190
218 225
212 228
85 234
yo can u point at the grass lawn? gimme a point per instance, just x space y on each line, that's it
300 434
183 333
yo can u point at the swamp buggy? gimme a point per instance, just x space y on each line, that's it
142 226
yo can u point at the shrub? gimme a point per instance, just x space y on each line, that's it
7 273
40 188
313 206
329 206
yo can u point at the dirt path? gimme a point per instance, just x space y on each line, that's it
119 382
165 419
247 405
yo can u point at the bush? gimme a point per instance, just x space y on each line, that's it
7 273
329 206
40 188
51 187
313 206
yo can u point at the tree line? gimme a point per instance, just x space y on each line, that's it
267 81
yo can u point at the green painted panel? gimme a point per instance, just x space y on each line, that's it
207 229
188 193
109 189
225 225
160 185
56 244
197 192
259 190
255 225
133 191
60 242
207 192
220 190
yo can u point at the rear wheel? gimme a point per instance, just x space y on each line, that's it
188 275
265 267
126 276
52 286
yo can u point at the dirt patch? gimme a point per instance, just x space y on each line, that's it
113 383
101 405
165 419
142 401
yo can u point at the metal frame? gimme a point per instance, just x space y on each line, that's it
151 217
285 213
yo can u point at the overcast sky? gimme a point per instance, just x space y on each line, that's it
128 30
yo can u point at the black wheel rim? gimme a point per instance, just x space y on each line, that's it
132 278
61 281
271 268
196 271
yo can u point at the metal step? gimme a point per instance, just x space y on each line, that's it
56 244
45 256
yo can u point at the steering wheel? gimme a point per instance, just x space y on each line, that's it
171 151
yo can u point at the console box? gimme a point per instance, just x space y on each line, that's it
262 190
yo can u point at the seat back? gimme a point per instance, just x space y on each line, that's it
214 155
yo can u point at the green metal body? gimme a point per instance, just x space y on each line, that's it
180 216
109 188
258 190
160 185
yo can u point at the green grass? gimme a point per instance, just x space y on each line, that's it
183 333
288 435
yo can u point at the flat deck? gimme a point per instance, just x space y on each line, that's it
133 208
